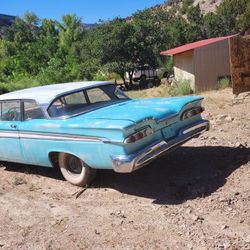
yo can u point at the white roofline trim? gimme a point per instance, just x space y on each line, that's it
44 95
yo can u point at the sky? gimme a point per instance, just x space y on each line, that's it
91 11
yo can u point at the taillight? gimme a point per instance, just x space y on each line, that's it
192 112
139 135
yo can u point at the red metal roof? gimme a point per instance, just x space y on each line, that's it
194 45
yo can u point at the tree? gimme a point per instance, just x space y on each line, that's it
117 46
230 17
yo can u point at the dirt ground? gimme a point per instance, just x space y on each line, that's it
197 197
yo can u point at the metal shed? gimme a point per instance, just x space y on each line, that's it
202 62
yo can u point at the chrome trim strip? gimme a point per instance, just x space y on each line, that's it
198 126
9 134
164 119
58 137
51 136
129 163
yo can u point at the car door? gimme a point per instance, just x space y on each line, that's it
10 116
34 148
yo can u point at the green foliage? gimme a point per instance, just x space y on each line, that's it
224 83
17 84
230 18
166 66
100 77
51 52
244 19
181 87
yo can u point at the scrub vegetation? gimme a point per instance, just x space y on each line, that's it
181 87
224 83
37 51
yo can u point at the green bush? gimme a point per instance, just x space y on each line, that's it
100 77
18 84
224 83
4 88
181 87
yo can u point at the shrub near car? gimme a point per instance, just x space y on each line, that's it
81 127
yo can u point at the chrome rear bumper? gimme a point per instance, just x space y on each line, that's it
129 163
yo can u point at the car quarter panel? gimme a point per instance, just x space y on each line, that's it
91 141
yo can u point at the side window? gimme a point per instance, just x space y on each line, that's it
10 111
97 95
32 111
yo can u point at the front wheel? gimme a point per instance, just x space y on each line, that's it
75 170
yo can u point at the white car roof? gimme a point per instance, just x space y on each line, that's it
45 94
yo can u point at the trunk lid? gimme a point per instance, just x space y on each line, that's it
140 109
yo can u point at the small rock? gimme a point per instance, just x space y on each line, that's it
197 218
213 138
224 227
223 199
97 232
220 117
228 119
19 181
189 211
247 239
239 145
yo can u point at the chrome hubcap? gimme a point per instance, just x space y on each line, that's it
74 165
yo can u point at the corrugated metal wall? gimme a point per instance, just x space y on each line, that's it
211 62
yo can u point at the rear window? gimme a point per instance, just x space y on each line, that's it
85 100
97 95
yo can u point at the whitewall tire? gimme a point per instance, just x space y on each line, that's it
74 170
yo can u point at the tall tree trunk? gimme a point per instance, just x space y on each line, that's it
130 73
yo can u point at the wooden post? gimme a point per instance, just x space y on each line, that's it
240 63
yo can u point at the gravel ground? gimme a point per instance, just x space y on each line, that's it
197 197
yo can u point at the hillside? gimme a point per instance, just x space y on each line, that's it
205 5
6 20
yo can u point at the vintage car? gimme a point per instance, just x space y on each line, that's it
84 126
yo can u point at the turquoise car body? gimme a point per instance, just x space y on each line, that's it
98 136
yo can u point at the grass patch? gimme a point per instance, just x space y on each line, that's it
19 181
224 83
160 91
181 87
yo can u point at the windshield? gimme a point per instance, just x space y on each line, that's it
85 100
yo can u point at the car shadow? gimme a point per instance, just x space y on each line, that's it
184 174
53 173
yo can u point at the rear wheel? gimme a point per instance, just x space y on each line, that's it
75 170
